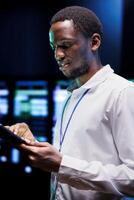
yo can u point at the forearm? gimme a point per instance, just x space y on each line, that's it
118 180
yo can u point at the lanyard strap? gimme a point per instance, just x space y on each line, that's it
62 135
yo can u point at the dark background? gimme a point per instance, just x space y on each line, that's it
25 54
24 43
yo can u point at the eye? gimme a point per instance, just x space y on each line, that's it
63 45
66 45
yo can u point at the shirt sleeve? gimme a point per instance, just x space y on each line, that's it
108 178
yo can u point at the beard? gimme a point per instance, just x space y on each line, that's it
79 71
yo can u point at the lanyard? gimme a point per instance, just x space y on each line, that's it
62 135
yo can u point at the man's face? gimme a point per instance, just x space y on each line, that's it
71 49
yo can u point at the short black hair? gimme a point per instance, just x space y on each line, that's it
83 18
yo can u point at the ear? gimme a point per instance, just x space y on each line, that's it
95 42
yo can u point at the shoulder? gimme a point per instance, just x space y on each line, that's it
119 83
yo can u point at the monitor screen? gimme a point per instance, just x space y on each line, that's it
35 102
31 106
4 100
59 95
4 113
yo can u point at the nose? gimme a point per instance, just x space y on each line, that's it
59 54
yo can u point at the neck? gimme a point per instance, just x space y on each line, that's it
84 78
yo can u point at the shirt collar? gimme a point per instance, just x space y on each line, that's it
96 79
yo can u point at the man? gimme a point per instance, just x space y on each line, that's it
92 157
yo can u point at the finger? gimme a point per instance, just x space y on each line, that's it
7 127
41 144
11 128
14 128
19 128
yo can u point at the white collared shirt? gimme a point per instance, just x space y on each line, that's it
98 147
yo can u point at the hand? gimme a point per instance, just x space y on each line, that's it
43 155
22 130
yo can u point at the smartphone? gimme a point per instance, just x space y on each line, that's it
9 136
